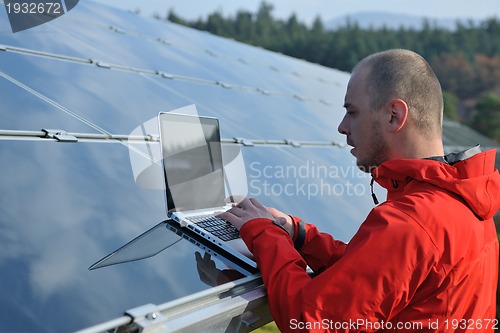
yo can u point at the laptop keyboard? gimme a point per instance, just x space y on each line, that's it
216 226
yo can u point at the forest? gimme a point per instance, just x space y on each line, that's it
465 59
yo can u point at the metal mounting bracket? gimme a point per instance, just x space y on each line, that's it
147 318
244 142
59 135
293 143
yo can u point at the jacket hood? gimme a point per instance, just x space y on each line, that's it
475 178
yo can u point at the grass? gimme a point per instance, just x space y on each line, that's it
268 328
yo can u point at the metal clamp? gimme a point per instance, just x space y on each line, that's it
244 142
100 64
59 135
147 318
294 143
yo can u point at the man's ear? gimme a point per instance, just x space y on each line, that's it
398 114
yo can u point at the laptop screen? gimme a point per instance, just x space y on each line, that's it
192 162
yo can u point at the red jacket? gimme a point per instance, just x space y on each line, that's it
425 260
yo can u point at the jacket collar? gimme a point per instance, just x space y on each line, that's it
470 174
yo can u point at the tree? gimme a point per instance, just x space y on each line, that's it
487 118
172 17
296 34
217 25
244 27
456 74
317 42
450 106
265 24
488 72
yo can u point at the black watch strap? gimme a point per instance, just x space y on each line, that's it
301 235
279 225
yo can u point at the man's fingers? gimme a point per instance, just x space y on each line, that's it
229 215
238 212
249 203
205 260
223 215
246 210
256 203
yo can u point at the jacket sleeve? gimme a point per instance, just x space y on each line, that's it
320 250
380 270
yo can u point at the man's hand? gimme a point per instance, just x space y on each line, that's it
246 210
207 270
249 209
284 219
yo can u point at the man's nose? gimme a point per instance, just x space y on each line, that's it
343 127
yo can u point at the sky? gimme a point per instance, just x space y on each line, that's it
307 10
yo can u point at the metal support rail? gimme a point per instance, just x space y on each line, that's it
162 41
58 135
63 136
158 73
238 306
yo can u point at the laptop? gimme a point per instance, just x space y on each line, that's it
194 180
216 252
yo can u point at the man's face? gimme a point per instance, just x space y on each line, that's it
362 125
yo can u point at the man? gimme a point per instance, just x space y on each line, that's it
424 260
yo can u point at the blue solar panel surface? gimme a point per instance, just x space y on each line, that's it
65 205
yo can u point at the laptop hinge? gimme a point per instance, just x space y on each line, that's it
180 217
